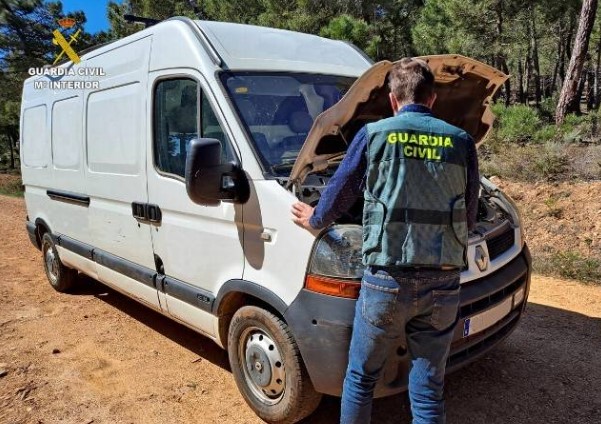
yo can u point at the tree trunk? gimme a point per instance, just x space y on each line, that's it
564 50
12 151
501 61
561 66
570 87
574 107
535 64
596 83
507 86
590 90
16 146
528 73
520 82
554 81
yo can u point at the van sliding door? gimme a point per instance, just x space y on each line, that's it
116 145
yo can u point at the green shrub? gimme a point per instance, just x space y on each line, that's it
546 133
516 123
533 162
569 265
525 145
547 109
550 161
572 120
575 128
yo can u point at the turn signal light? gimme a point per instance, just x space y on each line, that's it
333 286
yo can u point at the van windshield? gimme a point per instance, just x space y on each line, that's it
278 110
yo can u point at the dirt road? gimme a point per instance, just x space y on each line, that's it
95 356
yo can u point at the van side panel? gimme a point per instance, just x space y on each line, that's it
115 156
69 178
113 118
276 250
55 164
36 143
115 152
35 156
66 121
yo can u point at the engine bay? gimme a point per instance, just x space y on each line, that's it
491 213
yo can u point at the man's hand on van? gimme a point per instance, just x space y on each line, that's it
301 214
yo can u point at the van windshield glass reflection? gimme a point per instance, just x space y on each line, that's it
278 110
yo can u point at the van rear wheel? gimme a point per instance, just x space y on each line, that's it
268 368
60 277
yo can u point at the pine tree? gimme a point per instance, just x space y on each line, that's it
569 100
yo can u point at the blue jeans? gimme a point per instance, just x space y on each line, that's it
419 306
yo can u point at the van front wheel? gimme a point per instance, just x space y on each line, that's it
60 277
268 368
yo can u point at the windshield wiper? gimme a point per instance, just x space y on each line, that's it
284 166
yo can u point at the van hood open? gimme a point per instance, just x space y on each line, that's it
464 89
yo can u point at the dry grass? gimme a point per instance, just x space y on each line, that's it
551 161
11 185
569 264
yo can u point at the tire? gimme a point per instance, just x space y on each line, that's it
268 368
60 277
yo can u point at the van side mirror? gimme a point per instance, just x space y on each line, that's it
208 181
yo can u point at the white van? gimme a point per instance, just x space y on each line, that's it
170 176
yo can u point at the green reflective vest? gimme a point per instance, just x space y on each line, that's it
414 212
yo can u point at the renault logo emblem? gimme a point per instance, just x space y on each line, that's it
481 258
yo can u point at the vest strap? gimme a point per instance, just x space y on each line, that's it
419 216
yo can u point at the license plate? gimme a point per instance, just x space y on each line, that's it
483 320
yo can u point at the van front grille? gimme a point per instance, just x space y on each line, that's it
500 244
492 299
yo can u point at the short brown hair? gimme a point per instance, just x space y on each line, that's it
411 80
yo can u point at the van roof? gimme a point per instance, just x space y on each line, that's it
249 47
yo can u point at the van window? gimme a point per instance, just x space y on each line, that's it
176 124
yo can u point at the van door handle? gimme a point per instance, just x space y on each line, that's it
146 212
268 235
138 210
154 214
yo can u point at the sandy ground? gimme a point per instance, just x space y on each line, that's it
95 356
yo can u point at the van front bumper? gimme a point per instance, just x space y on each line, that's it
322 328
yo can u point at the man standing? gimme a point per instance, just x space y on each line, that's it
420 180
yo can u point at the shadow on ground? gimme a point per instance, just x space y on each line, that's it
547 371
167 327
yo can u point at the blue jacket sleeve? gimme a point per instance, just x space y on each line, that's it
345 185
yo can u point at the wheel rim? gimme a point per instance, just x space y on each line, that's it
51 261
263 365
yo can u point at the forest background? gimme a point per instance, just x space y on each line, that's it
548 126
532 41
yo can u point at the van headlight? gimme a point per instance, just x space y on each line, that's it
516 216
336 266
337 253
505 202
